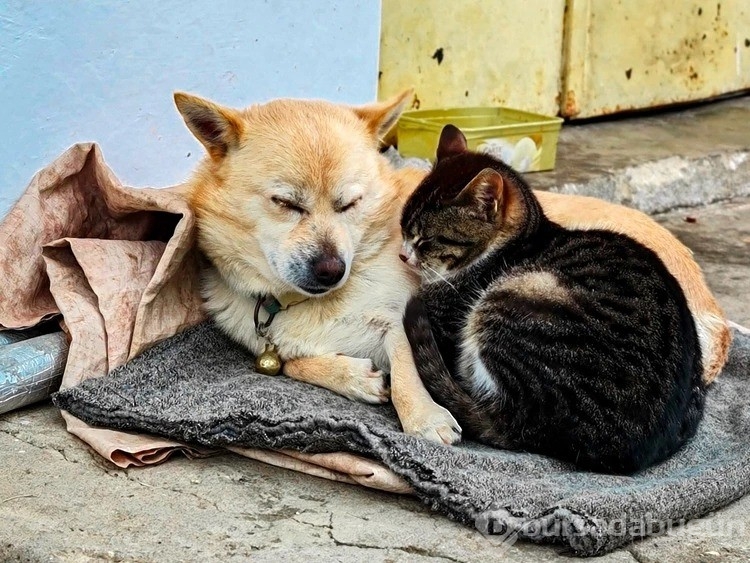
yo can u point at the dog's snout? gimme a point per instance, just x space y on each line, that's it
329 270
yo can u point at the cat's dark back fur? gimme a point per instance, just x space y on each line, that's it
573 344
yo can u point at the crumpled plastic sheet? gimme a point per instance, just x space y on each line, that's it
30 368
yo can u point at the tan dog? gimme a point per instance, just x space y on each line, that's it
294 201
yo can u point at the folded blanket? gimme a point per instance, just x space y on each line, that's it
199 387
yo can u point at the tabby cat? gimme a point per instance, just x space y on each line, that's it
573 344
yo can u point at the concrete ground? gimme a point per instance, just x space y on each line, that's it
61 502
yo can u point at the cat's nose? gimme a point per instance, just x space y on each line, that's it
407 254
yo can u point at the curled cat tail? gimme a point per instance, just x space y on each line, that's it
432 369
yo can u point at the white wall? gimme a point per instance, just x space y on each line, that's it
104 71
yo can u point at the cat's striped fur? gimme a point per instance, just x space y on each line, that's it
573 344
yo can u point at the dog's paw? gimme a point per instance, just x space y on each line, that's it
434 423
365 383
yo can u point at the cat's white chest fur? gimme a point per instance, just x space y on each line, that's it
473 370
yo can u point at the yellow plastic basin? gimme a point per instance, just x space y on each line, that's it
527 141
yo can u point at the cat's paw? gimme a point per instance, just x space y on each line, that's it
365 382
434 423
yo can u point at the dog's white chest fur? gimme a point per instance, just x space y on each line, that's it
355 327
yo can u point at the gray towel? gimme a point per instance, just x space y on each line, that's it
200 387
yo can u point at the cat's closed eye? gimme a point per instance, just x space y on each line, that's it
447 241
442 240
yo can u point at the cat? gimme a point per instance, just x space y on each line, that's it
577 345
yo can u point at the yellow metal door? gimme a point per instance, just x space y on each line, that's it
631 54
579 58
461 53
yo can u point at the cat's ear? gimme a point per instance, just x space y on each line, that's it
452 142
217 128
483 196
381 117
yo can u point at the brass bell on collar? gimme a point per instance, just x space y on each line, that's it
269 361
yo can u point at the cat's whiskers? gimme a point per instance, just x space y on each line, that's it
441 277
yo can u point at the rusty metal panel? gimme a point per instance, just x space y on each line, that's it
633 54
463 53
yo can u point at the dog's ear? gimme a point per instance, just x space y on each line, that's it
217 128
382 116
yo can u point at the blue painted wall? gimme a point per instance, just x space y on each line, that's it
104 71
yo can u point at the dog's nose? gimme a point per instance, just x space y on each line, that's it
329 270
403 256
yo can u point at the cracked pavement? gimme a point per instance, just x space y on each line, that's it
60 502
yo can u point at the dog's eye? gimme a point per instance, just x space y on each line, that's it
351 205
286 204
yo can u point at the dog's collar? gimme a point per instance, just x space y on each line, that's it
272 306
269 361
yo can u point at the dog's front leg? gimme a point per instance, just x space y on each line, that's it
354 378
418 413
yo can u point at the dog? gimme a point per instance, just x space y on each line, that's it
293 202
296 208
